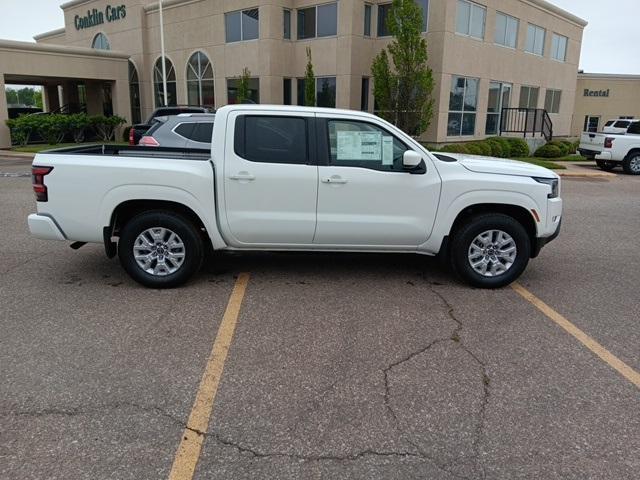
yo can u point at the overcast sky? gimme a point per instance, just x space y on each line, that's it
609 45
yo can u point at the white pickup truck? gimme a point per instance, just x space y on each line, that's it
296 179
610 150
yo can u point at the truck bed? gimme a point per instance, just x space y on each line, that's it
134 151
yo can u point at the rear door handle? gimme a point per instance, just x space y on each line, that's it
335 179
246 176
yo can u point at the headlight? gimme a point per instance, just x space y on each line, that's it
554 183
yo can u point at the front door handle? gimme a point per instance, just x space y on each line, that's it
246 176
335 179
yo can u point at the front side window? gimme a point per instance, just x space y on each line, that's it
158 84
470 19
528 97
242 25
272 139
506 30
552 101
362 144
326 92
535 40
232 90
100 42
286 27
559 47
319 21
463 102
200 88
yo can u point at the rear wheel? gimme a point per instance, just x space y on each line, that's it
606 165
160 249
631 164
490 250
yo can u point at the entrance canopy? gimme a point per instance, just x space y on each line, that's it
62 70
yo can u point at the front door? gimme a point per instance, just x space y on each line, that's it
270 179
366 199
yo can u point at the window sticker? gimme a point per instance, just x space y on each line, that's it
387 150
359 146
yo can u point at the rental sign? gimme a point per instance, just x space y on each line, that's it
96 17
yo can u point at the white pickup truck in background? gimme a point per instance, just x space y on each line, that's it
610 150
296 179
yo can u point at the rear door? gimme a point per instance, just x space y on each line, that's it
270 178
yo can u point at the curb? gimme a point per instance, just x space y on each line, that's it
565 173
11 153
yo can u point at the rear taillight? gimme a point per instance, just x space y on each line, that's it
37 179
608 142
132 136
148 141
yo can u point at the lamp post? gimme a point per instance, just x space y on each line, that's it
164 61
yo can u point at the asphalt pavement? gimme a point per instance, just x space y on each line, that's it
340 365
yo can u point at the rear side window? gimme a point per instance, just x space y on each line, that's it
609 123
622 124
202 132
185 129
271 139
634 128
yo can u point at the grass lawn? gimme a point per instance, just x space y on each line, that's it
542 162
44 146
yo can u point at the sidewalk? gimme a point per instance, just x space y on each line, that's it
583 170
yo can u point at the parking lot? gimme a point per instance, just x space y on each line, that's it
324 365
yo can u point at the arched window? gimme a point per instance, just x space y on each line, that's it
171 83
134 94
100 42
200 80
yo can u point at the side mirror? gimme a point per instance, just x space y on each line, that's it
411 159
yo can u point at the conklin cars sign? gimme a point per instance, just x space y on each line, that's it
96 17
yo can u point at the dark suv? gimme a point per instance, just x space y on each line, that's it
137 131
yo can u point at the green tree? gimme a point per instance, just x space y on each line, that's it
309 82
403 91
24 96
244 93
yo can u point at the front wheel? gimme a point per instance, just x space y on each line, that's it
606 165
160 249
631 164
490 250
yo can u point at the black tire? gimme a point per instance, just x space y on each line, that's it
183 228
606 165
475 226
631 164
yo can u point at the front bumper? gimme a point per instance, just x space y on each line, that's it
44 227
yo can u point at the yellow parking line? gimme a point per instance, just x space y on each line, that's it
188 453
608 357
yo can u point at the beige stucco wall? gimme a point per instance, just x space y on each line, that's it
192 25
623 99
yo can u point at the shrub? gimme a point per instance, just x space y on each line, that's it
496 148
519 148
22 127
105 127
564 147
549 151
52 128
505 147
77 125
455 148
485 148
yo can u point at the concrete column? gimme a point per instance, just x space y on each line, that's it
94 97
120 99
53 101
5 137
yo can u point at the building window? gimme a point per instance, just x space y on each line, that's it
232 90
383 15
559 47
326 92
591 123
242 25
552 101
300 88
367 20
506 30
200 89
364 95
499 98
535 40
171 83
424 6
100 42
470 19
286 91
529 97
463 100
286 27
319 21
134 94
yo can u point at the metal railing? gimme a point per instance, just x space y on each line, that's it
527 121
